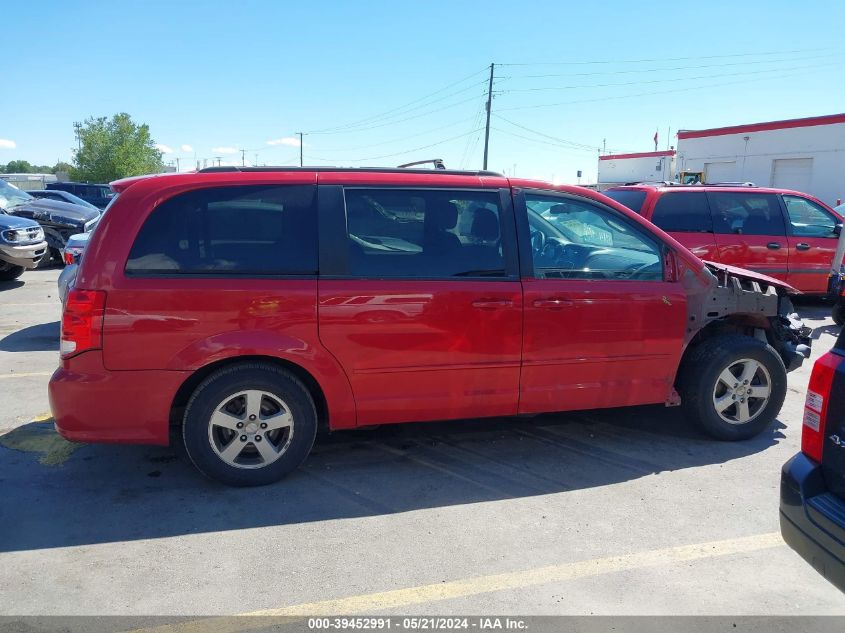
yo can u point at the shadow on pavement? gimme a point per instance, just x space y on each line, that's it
43 337
10 285
101 494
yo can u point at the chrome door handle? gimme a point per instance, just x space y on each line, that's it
802 246
773 246
554 303
492 304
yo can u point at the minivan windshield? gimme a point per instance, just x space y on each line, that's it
631 198
11 196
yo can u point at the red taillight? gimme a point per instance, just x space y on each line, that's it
815 406
82 321
68 258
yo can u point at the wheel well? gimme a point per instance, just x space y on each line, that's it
180 400
734 324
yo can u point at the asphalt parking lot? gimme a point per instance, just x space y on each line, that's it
605 512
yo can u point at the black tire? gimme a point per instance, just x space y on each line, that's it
839 313
8 272
699 380
49 258
229 382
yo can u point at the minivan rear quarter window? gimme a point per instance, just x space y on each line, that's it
631 198
249 230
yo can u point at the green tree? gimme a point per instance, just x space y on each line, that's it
61 166
114 148
18 167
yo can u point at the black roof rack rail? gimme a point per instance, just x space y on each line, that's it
392 170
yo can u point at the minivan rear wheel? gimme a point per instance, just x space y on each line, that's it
733 386
249 424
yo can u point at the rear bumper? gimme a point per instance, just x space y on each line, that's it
812 520
27 256
92 404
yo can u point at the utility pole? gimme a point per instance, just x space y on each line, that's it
489 108
300 135
77 127
243 158
177 164
217 158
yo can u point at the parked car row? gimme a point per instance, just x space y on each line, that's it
55 220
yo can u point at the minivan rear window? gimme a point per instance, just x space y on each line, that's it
631 198
249 230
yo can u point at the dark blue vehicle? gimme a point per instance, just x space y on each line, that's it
812 485
98 195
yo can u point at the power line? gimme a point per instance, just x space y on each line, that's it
548 143
672 68
398 108
571 144
397 140
656 92
377 123
660 81
411 118
415 149
667 59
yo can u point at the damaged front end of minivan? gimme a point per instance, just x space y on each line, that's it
735 300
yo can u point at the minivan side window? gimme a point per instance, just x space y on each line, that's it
431 233
249 230
574 239
807 219
683 212
746 213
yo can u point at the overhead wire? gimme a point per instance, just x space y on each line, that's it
673 79
665 69
664 59
396 110
415 149
651 93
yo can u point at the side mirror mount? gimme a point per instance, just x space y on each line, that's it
837 230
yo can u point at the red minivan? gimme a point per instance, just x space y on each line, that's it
785 234
245 308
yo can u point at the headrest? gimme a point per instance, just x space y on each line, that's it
485 225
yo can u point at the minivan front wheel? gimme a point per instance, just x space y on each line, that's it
733 386
249 425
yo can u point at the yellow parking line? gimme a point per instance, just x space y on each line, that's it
422 594
26 374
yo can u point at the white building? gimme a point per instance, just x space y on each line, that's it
618 169
29 182
803 154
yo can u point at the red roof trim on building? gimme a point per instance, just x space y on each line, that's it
668 152
829 119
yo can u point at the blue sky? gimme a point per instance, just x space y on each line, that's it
380 83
